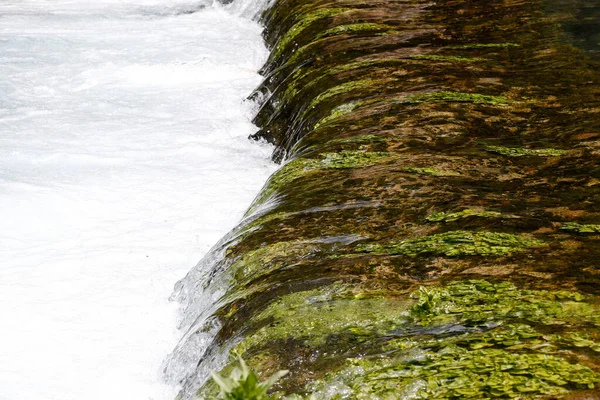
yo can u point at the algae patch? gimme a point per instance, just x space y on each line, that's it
580 228
520 152
460 97
301 25
434 57
431 171
337 112
313 315
476 302
356 28
458 373
263 260
467 339
298 167
485 46
354 159
346 87
361 139
455 216
456 243
285 175
489 356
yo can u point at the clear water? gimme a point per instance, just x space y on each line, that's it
123 159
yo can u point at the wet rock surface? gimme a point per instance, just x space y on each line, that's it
434 231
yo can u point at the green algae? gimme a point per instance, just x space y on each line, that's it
293 89
285 175
337 112
344 88
266 219
455 216
580 228
305 51
263 259
521 337
304 22
577 340
499 341
477 302
434 57
485 46
355 28
460 97
313 315
431 171
456 243
509 336
362 64
500 359
354 159
300 75
361 139
458 373
520 152
297 55
298 167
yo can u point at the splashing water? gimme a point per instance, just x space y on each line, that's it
123 158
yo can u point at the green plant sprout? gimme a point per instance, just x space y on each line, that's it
243 383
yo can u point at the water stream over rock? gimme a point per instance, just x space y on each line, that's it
434 230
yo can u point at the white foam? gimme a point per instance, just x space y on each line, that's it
123 159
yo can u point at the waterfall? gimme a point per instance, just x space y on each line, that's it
433 231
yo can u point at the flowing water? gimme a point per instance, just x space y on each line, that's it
123 158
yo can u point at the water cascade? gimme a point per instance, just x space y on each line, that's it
434 230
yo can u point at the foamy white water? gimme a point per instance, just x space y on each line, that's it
123 159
